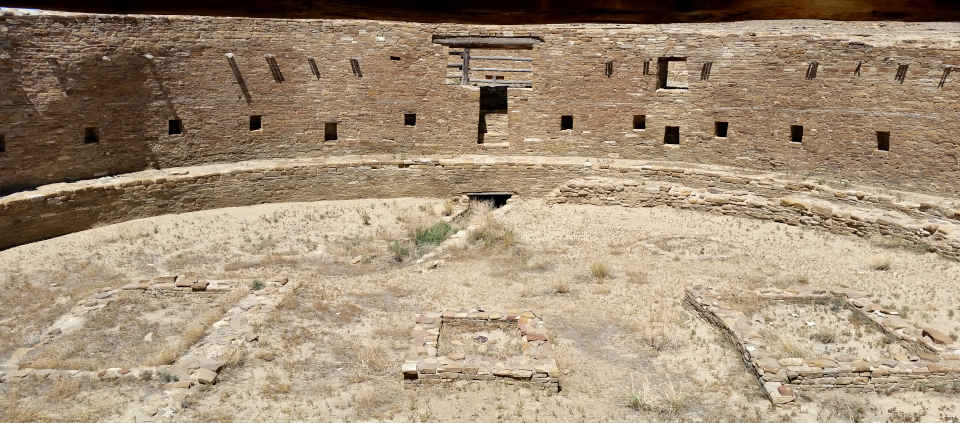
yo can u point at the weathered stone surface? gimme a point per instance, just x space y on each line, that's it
937 335
205 376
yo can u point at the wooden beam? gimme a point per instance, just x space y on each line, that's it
488 42
511 58
466 67
500 82
502 70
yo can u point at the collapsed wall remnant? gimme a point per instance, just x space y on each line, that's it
921 361
433 361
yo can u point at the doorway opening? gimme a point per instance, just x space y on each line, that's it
493 123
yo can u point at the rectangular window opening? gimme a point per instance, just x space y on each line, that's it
256 123
394 57
91 135
330 131
796 133
409 119
608 68
720 129
646 67
566 122
3 144
672 73
671 135
883 140
639 121
174 127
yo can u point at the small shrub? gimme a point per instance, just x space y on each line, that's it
824 337
364 216
399 250
434 234
600 271
256 285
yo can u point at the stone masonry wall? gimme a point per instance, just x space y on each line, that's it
926 221
128 75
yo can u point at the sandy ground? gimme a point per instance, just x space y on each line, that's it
607 281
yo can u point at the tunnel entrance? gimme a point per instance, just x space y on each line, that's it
498 199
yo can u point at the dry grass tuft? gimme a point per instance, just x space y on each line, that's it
881 263
492 234
844 408
600 271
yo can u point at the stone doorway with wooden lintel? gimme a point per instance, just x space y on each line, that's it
494 72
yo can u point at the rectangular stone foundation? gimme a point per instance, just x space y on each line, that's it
929 365
533 365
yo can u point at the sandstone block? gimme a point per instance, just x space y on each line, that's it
205 376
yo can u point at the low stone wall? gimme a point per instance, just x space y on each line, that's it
859 218
533 364
926 363
62 208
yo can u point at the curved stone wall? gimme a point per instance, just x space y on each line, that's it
925 221
127 77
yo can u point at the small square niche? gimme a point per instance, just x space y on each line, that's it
174 127
566 122
639 121
720 129
256 123
409 119
91 135
796 133
883 140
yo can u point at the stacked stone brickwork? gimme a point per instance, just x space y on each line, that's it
923 220
928 363
128 76
533 363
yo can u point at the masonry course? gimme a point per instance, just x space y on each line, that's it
128 76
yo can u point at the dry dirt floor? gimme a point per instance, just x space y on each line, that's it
607 281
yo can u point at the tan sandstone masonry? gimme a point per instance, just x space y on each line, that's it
533 363
933 362
128 76
57 209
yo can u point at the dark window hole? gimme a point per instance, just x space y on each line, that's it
91 135
796 133
394 57
256 123
330 131
3 144
671 135
639 121
566 122
174 127
883 140
720 129
410 119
